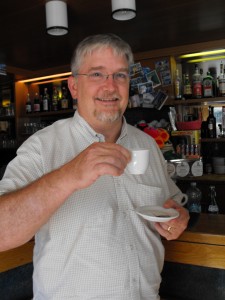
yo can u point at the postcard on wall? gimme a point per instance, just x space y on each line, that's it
148 99
166 77
134 101
153 76
160 99
162 65
135 68
146 87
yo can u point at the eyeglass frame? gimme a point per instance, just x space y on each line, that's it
105 76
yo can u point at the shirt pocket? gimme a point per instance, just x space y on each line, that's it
149 195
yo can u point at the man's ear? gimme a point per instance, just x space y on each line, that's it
72 85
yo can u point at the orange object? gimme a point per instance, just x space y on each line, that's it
159 140
164 134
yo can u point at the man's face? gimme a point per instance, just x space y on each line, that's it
101 103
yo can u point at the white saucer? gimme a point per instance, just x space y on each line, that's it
157 213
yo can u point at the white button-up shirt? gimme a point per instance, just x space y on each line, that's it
95 246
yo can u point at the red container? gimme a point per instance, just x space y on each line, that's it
191 125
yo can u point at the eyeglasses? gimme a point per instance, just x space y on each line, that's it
98 77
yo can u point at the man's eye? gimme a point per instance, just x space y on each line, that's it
96 75
121 75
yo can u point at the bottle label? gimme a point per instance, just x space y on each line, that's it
36 107
64 103
45 105
223 118
182 169
210 126
197 168
187 89
195 207
28 108
207 88
222 87
197 89
177 90
213 209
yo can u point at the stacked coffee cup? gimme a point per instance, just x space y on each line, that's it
218 165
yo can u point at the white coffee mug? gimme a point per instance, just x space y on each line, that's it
181 198
139 161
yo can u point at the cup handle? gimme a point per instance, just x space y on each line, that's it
184 200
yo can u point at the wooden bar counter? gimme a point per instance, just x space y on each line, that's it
202 244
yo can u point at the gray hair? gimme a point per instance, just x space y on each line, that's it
100 41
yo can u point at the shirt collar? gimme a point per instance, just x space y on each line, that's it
86 129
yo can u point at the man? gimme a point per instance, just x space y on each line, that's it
69 187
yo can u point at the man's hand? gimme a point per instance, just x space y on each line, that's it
173 229
96 160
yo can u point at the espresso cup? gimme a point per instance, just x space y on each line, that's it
184 200
139 161
181 198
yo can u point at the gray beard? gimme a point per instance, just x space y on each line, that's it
109 118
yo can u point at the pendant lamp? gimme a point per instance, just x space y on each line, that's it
123 10
56 17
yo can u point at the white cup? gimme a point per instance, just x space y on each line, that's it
184 200
139 161
181 198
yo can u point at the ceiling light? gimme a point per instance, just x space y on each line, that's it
45 77
56 17
123 10
197 60
203 53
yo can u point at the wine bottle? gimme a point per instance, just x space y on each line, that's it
64 100
213 206
187 90
211 123
55 99
197 83
37 104
28 104
221 81
46 105
177 86
207 86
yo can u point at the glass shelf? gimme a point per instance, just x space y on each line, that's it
202 101
205 177
50 113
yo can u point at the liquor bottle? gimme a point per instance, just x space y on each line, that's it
194 198
177 86
213 206
207 86
211 123
215 82
55 99
223 121
28 104
41 102
187 90
221 80
37 104
64 100
46 104
196 83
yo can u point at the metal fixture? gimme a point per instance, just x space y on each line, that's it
123 10
56 17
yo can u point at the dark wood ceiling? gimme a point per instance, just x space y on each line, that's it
25 44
